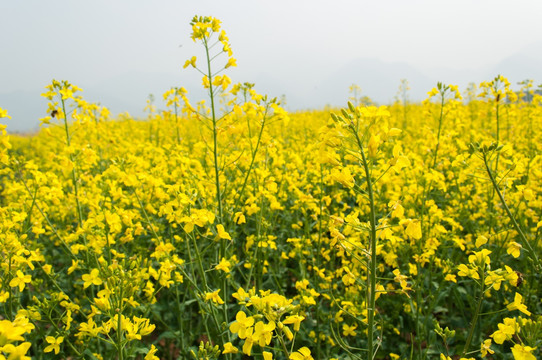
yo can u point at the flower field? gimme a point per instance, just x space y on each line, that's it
232 229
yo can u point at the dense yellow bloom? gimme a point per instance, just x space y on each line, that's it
128 210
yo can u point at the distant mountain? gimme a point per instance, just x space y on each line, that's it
123 93
378 79
130 91
526 64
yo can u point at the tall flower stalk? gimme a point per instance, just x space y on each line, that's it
367 128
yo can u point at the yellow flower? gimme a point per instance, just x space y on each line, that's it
263 333
205 82
4 114
88 329
522 352
480 258
349 330
451 278
401 279
485 348
66 93
242 324
17 352
92 279
514 249
192 62
511 276
68 319
231 62
249 342
54 343
480 240
372 147
229 349
150 355
239 218
506 330
222 234
294 319
517 305
214 297
20 280
343 176
302 354
464 270
414 229
224 265
9 332
241 295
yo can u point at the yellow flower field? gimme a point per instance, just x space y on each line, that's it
232 229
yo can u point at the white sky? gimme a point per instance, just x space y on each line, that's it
292 42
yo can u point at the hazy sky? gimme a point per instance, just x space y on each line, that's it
117 47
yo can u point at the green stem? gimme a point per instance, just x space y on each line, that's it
222 252
476 313
372 267
10 299
439 130
119 326
498 134
177 125
74 178
215 146
281 340
524 240
240 193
